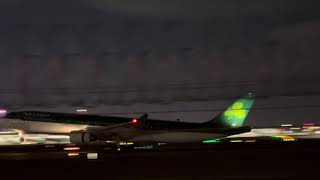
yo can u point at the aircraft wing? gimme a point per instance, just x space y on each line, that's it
67 118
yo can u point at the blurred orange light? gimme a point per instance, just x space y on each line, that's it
73 154
71 148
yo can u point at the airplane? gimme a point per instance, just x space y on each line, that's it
86 129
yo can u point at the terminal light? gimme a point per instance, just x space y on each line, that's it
82 110
308 124
286 125
295 128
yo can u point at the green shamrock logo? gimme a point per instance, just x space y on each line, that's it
236 111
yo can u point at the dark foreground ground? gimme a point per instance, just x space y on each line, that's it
265 160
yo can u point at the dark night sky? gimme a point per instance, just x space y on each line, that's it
158 55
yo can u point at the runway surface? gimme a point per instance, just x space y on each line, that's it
261 154
261 160
17 137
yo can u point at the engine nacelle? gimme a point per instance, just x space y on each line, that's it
82 137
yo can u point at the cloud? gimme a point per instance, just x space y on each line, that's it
89 56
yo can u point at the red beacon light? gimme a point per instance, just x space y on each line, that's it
134 121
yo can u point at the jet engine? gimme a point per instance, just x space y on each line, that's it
82 137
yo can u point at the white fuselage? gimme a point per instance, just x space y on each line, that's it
131 134
41 127
177 137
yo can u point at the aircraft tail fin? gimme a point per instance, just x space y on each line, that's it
235 115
